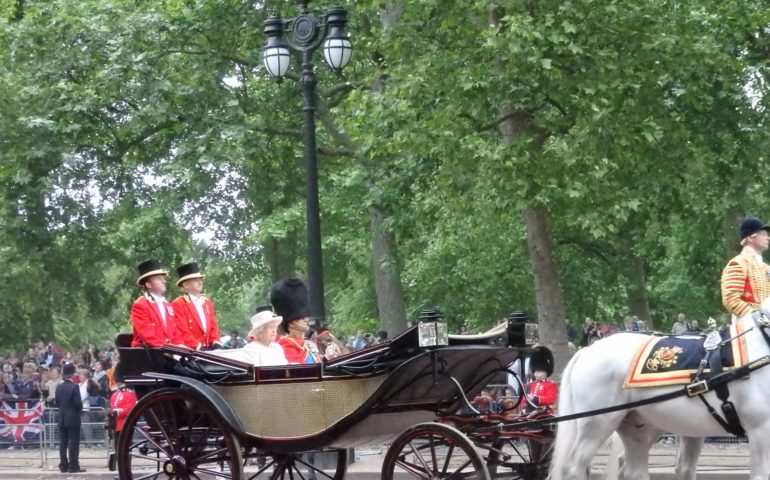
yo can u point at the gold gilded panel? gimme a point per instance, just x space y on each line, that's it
299 409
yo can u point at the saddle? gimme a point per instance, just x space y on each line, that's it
675 360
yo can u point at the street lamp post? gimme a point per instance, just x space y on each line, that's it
304 35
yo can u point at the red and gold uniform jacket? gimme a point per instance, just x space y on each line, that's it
148 325
121 402
299 351
745 283
544 393
190 322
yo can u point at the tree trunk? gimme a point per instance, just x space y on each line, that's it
548 294
41 321
387 280
636 290
280 254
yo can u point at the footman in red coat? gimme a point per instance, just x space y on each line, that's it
195 311
152 317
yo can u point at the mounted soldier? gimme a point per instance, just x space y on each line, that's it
746 278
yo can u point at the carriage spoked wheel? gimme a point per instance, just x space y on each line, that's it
297 466
173 433
520 459
434 451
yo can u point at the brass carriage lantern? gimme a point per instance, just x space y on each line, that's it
431 329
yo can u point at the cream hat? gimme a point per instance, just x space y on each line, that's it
261 319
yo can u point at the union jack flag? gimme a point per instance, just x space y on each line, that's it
20 419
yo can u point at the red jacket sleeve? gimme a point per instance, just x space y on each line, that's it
548 395
185 334
179 332
214 336
143 323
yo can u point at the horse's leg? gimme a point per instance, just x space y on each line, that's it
638 437
687 457
759 447
592 433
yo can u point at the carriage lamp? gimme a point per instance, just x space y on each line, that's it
431 329
304 35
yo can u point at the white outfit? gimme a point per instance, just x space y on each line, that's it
84 395
256 354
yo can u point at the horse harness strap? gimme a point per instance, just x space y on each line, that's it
713 359
691 390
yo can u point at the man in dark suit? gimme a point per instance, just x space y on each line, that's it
70 406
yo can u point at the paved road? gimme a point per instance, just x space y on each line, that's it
721 462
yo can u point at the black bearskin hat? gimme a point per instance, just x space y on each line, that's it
289 297
541 359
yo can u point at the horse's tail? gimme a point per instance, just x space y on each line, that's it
566 432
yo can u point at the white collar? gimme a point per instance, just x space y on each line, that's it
157 298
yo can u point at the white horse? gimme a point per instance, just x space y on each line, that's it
593 379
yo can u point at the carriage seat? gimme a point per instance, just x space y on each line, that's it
123 340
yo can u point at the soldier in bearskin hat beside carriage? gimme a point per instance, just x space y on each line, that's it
542 392
289 297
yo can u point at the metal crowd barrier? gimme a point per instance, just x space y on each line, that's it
28 434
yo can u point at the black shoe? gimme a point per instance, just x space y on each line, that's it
76 470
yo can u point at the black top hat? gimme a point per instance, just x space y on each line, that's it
68 370
290 300
147 269
188 271
541 359
751 225
264 308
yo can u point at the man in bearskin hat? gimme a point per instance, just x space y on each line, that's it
745 280
152 317
289 297
542 392
194 311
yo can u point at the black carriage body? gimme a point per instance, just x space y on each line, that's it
364 398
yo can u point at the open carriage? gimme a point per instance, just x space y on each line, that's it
202 416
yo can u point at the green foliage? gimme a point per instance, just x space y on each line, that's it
129 129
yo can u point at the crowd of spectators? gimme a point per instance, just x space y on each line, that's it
33 375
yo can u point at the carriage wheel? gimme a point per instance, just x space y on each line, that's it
520 459
299 466
172 433
435 451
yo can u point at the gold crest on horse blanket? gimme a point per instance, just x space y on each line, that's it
664 361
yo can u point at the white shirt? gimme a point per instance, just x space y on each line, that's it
198 302
84 395
161 303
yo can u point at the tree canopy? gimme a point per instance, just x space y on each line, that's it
586 158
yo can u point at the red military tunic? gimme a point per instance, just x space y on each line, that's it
544 393
190 322
121 402
148 324
745 283
297 350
